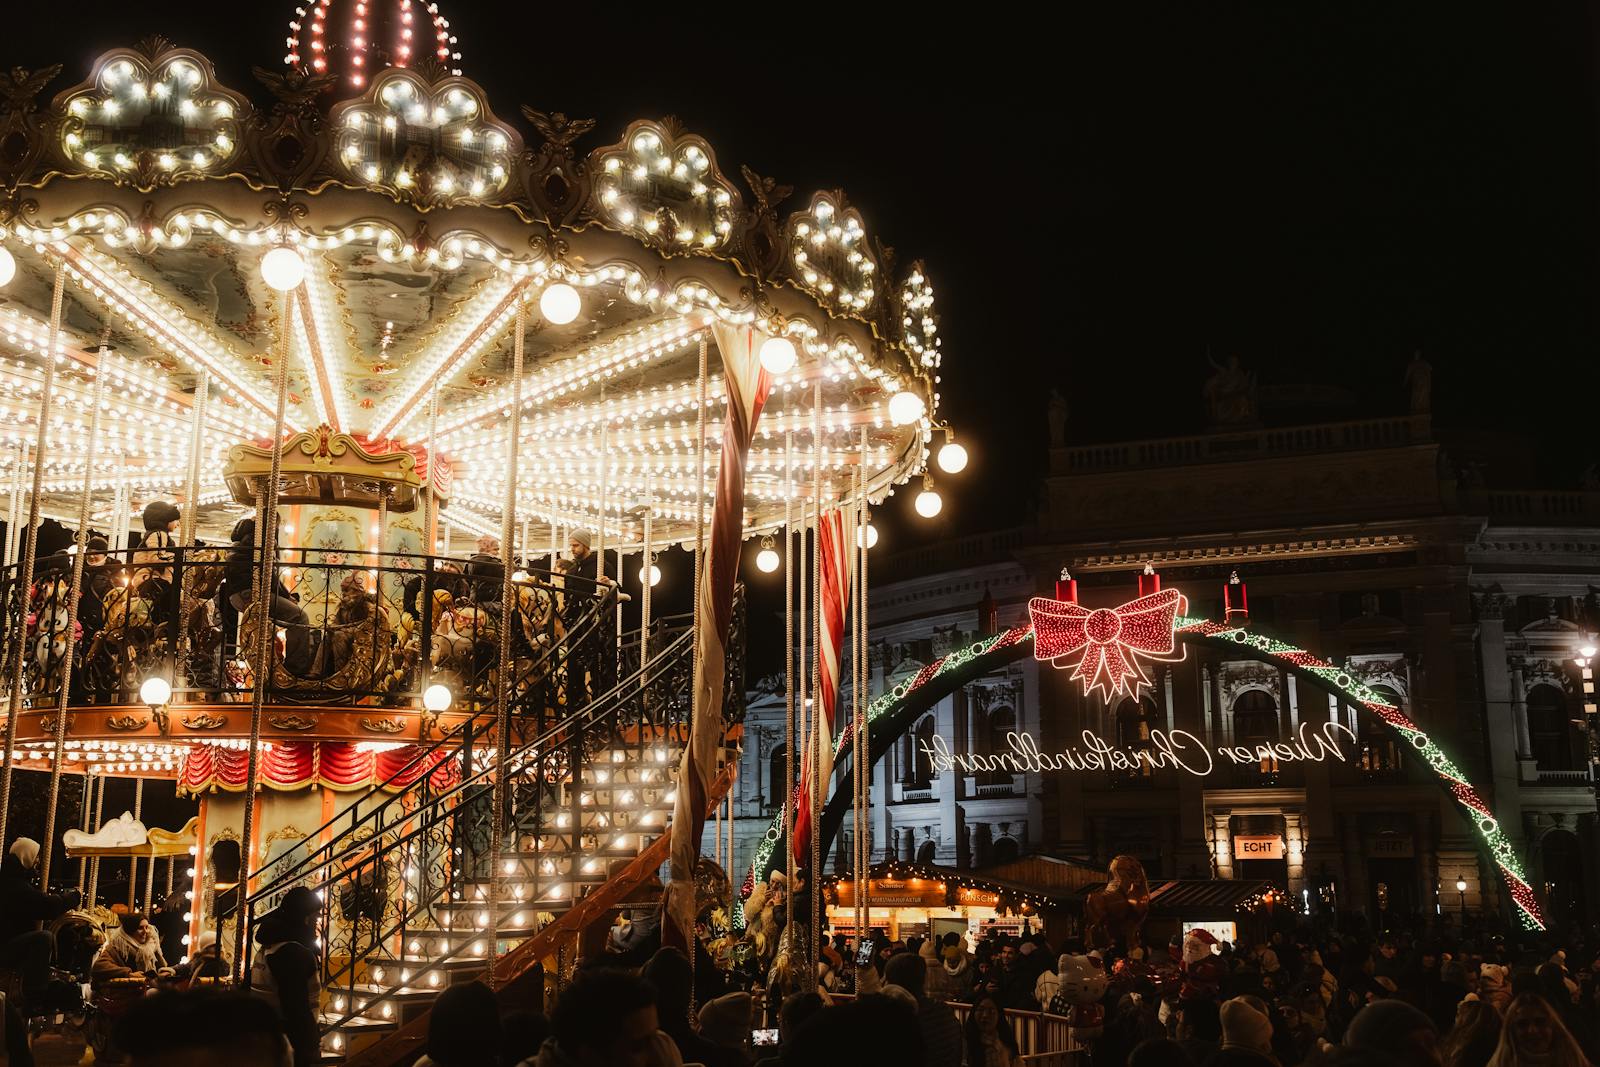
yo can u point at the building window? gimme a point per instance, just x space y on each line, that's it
777 775
1135 720
1005 850
1379 751
1255 722
926 852
1001 725
921 765
1549 728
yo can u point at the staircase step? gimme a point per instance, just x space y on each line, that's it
369 990
356 1024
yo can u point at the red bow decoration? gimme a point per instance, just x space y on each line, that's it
1109 642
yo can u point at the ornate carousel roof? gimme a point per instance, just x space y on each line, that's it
425 220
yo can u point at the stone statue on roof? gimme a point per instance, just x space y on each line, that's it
1419 379
1230 393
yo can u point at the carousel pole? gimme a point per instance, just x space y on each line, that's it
202 391
171 862
84 816
817 785
133 861
81 546
430 514
788 683
863 756
30 547
508 595
644 568
14 505
267 535
99 817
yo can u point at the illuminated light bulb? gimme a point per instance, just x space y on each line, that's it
778 355
283 269
929 503
560 303
767 559
867 536
8 266
156 692
654 575
952 457
437 697
905 408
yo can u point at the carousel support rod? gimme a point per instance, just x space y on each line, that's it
149 883
30 548
430 514
605 479
99 817
14 505
644 568
862 700
81 546
133 861
788 687
191 497
171 862
85 813
383 538
267 535
508 595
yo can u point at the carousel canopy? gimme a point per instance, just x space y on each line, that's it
424 221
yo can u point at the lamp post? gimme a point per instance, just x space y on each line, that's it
1461 891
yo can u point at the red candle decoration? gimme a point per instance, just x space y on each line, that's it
1149 581
1067 587
1235 599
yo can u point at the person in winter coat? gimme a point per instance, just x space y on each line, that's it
239 573
463 1028
1044 989
670 974
1494 985
132 951
22 948
154 558
284 970
1534 1035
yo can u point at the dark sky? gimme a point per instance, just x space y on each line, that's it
1318 189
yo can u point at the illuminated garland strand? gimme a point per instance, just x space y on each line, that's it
1488 827
1340 681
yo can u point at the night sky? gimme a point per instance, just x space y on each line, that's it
1102 201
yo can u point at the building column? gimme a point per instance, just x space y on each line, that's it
1519 714
1294 849
1222 843
1505 734
1193 858
882 824
945 787
1353 893
908 844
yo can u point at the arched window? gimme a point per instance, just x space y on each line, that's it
1549 730
1255 722
1563 877
1002 724
777 775
921 765
1005 850
926 852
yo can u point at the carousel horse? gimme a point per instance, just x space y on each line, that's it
356 648
47 629
122 652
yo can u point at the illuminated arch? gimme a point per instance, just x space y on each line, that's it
889 715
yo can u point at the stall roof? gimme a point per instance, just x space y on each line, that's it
976 879
1199 898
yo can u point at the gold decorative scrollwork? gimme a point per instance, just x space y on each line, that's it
126 722
205 721
292 722
47 723
383 726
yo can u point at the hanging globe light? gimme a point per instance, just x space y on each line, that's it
905 408
156 691
767 559
283 269
778 355
867 536
652 574
952 454
560 303
436 698
8 266
929 503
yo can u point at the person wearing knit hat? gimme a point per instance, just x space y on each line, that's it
1247 1027
1393 1028
725 1021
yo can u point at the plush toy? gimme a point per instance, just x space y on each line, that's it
1114 915
1083 984
1202 971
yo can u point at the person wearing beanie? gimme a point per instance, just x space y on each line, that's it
1395 1029
1246 1030
671 976
22 906
725 1021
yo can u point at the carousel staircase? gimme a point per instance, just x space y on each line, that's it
589 801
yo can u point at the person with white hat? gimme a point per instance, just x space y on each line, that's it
22 906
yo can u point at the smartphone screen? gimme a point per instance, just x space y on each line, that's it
764 1037
864 953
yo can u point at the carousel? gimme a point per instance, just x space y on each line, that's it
368 412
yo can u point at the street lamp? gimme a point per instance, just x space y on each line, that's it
1461 891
